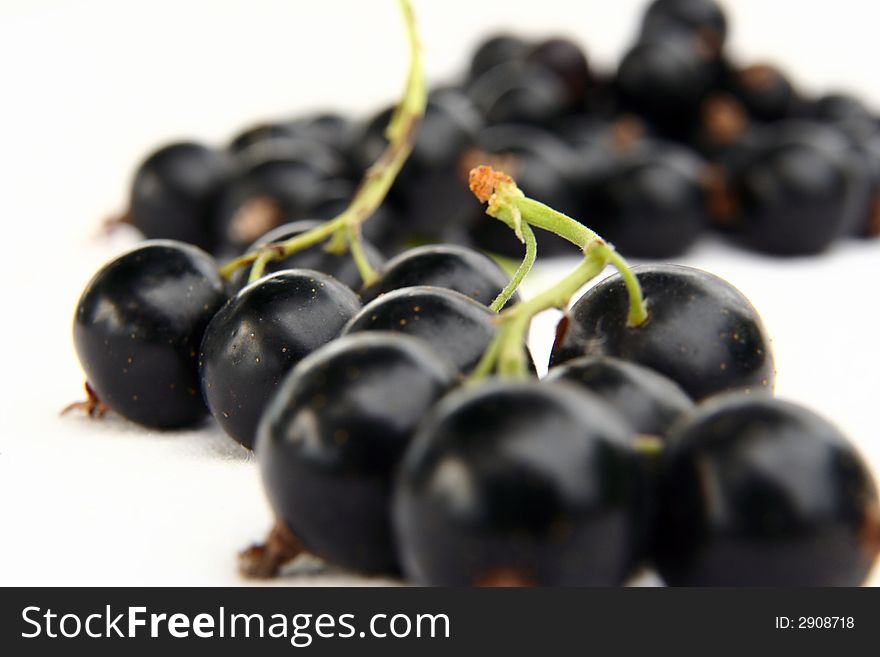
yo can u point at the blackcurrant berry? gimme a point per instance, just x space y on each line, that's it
701 19
498 49
567 60
837 107
456 326
665 80
175 192
519 483
453 267
800 187
649 201
280 181
520 92
649 401
761 492
340 266
701 331
333 435
260 334
137 330
260 134
329 128
766 93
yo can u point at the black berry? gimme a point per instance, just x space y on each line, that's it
137 330
333 435
260 334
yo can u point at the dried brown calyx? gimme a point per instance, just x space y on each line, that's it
91 405
265 560
724 120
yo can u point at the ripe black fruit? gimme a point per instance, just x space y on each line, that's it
765 91
665 80
260 334
800 187
760 492
452 267
175 192
456 326
699 19
520 92
281 180
649 201
521 484
137 330
333 435
339 266
566 59
496 50
649 401
701 332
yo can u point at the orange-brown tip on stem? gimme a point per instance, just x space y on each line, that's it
483 180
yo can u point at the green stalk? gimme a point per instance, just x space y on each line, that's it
521 272
345 228
507 203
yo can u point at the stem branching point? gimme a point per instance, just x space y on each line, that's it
506 202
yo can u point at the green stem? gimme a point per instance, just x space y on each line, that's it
508 204
402 131
543 216
506 354
638 310
521 272
365 269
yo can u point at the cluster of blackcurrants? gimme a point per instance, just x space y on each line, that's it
383 444
677 140
380 454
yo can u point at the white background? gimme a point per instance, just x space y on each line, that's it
89 87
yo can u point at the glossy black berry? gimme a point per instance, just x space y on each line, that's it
280 181
766 92
700 19
567 60
175 192
329 128
456 326
498 49
701 331
520 92
332 438
260 334
648 201
444 265
800 187
665 80
836 107
137 330
761 492
519 483
649 401
260 134
340 266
